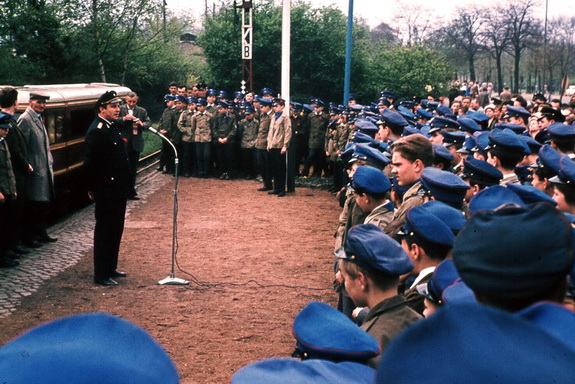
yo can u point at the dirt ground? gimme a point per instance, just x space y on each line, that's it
253 261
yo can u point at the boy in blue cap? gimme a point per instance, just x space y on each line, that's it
248 131
202 126
371 189
371 264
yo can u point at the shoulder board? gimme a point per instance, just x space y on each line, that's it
421 191
100 125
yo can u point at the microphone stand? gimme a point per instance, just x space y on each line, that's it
172 279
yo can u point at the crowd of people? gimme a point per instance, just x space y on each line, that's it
455 245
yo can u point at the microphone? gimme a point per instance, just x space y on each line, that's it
156 132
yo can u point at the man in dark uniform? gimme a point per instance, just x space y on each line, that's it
107 176
316 126
136 120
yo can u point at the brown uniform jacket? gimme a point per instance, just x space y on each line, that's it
202 126
412 198
262 139
279 135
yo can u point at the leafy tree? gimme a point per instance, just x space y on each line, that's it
496 35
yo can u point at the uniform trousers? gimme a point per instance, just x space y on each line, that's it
278 169
110 214
133 159
265 167
203 157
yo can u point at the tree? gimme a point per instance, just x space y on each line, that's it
524 32
496 36
414 23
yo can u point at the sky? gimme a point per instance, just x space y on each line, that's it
378 11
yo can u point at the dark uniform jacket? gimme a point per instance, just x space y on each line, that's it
225 127
386 320
7 180
106 164
316 126
169 121
19 156
135 141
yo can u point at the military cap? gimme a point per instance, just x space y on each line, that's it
423 114
370 248
201 86
507 140
453 218
566 172
317 103
222 95
491 198
250 110
442 153
476 344
202 101
517 111
548 159
192 100
279 101
409 104
296 106
370 180
109 97
182 99
439 122
539 97
366 127
432 105
478 117
551 114
458 293
533 145
421 224
406 113
411 130
551 317
467 147
346 155
530 195
223 104
443 185
367 153
443 110
238 95
351 96
453 137
541 244
389 117
323 332
280 371
211 92
388 94
5 120
516 128
267 91
496 101
359 137
383 101
264 101
468 125
425 129
481 171
558 131
169 97
481 140
77 349
41 96
444 275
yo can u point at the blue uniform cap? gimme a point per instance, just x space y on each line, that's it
458 293
514 252
422 224
533 145
383 101
478 117
442 153
192 100
443 110
169 97
468 145
406 113
443 185
423 114
393 118
238 95
346 155
202 101
439 122
182 99
323 332
453 137
548 159
453 218
366 127
388 94
370 248
530 195
566 172
370 180
365 152
561 131
476 344
223 104
481 171
86 348
516 128
481 140
517 111
317 103
507 140
281 371
250 110
491 198
358 137
267 91
223 95
411 130
211 92
468 125
553 318
444 275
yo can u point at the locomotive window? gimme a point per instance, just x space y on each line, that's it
80 120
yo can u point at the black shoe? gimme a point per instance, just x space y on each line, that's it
47 239
262 189
21 250
106 282
160 169
133 198
281 194
33 244
10 254
119 274
8 263
274 192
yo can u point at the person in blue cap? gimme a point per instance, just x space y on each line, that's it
562 138
168 120
410 156
279 137
225 131
264 162
202 127
248 132
427 240
188 154
340 137
297 150
371 189
505 151
442 157
517 115
564 185
84 349
445 187
211 98
316 126
479 175
443 276
371 264
391 125
544 168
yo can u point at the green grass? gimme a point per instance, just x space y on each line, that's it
152 143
